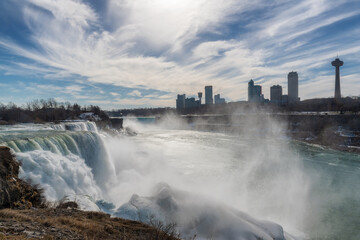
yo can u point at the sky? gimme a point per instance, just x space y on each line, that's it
141 53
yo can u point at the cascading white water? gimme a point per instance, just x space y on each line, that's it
63 162
75 126
58 175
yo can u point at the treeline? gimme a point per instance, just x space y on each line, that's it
348 104
345 105
38 111
141 112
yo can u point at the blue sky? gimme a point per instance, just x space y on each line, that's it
141 53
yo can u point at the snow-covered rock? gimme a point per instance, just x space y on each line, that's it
198 216
89 116
84 202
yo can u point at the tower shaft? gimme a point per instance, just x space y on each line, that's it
337 64
337 84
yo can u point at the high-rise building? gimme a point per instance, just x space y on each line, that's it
218 99
208 95
337 64
191 103
276 94
180 101
293 87
250 90
200 96
254 92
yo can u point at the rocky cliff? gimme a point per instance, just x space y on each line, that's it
14 192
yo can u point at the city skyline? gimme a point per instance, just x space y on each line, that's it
121 54
255 93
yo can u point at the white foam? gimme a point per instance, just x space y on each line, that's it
76 126
58 175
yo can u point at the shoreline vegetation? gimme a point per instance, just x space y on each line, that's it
42 111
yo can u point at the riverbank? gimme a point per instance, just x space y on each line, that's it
335 131
332 139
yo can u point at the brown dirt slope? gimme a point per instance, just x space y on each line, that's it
73 224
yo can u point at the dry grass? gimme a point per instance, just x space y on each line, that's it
84 225
3 237
15 215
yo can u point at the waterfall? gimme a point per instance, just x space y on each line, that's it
76 126
69 159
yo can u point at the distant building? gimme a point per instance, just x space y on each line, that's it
254 92
208 95
191 103
337 64
180 101
276 94
200 96
293 87
284 99
219 100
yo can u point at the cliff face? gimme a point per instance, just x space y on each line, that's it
14 192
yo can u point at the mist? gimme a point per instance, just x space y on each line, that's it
254 171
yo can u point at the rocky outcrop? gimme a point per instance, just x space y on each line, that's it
14 192
117 123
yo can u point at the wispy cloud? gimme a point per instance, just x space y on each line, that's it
114 94
135 93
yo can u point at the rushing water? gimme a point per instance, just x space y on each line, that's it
201 180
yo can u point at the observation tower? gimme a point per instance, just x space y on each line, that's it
337 64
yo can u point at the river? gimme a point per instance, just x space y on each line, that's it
209 183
